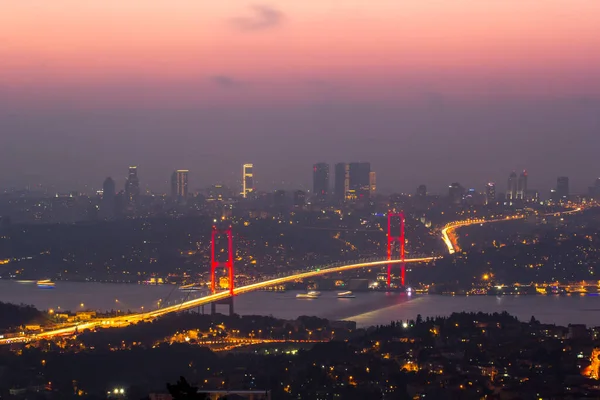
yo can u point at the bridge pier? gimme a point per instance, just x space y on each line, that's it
400 240
228 302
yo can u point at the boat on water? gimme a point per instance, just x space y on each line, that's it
346 295
309 295
45 284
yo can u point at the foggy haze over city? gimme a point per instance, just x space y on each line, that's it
434 142
299 199
429 94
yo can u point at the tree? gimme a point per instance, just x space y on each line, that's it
182 390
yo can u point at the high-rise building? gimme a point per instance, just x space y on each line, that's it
107 208
511 192
562 188
179 184
490 193
321 180
132 186
522 186
247 180
360 173
342 181
372 184
299 198
456 193
422 191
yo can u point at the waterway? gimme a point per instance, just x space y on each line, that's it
367 308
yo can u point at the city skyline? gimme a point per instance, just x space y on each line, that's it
488 89
325 174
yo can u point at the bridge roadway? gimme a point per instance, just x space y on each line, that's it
452 245
126 320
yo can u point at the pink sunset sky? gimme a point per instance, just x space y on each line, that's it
429 91
293 49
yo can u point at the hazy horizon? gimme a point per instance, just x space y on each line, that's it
428 92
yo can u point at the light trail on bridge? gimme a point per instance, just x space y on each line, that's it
126 320
450 227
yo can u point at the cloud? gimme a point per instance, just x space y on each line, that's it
263 17
225 81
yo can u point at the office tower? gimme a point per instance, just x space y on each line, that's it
299 198
422 191
342 181
247 180
456 193
511 192
562 188
132 186
372 184
321 180
490 193
522 186
108 198
179 184
359 180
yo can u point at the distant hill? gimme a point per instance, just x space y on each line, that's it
12 315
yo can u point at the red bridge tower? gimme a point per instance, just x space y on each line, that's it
400 240
214 264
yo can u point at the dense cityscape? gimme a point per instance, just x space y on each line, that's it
474 243
299 200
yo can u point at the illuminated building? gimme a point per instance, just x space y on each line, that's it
532 195
342 181
522 186
456 193
247 180
179 184
490 193
562 188
132 186
321 180
360 173
511 192
372 184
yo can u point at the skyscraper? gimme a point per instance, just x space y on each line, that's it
132 186
522 186
422 191
360 173
179 184
342 181
562 188
299 198
321 180
107 209
511 192
372 184
247 179
490 193
456 193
